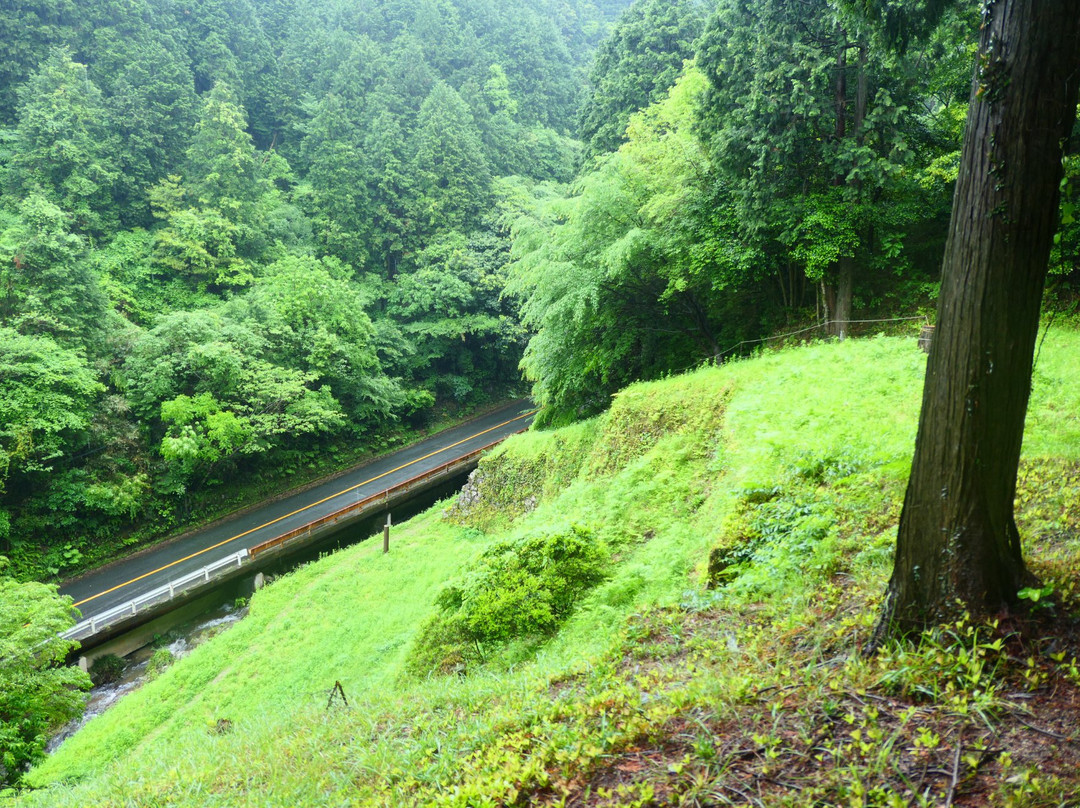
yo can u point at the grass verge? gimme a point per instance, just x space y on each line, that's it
748 513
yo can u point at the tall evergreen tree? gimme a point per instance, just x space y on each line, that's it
809 130
152 109
958 546
28 31
450 175
221 169
45 285
63 148
636 66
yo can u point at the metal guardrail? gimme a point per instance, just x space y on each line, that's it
163 594
383 497
206 575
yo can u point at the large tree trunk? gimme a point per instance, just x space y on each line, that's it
845 291
842 292
958 538
837 292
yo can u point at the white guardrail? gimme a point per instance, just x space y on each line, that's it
181 586
90 626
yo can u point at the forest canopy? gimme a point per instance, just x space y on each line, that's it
237 236
247 239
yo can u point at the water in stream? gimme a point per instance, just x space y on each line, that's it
180 642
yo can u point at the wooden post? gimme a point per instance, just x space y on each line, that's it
926 337
386 535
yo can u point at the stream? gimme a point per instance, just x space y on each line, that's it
180 642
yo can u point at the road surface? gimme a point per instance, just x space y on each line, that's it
98 591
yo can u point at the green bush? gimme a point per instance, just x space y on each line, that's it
517 589
159 661
106 669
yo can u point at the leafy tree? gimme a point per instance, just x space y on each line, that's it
28 31
636 273
390 225
341 172
38 693
62 146
221 169
46 402
200 244
226 45
46 286
151 107
201 384
449 307
315 321
958 546
638 63
450 176
810 130
222 214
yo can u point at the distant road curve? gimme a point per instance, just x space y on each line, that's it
120 582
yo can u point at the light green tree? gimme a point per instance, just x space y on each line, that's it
63 148
38 693
46 286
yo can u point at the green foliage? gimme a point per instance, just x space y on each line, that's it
222 170
813 126
648 659
30 31
636 66
159 662
38 693
106 669
170 172
450 309
200 245
316 321
63 148
613 281
198 380
47 287
516 590
45 401
450 175
151 106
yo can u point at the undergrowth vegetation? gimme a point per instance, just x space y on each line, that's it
664 605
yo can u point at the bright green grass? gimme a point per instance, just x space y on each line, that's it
663 476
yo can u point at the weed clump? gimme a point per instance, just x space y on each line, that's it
106 669
161 659
518 589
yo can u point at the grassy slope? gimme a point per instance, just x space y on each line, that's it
792 464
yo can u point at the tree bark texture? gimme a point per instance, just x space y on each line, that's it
958 546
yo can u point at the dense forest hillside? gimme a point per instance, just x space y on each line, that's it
244 244
238 239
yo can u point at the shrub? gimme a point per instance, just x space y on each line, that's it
159 661
517 589
106 669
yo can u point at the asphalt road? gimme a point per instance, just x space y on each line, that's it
120 582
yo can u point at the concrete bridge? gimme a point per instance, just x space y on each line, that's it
125 604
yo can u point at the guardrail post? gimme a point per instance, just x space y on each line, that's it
134 609
93 625
386 536
172 590
206 573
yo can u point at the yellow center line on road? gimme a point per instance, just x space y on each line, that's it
300 510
